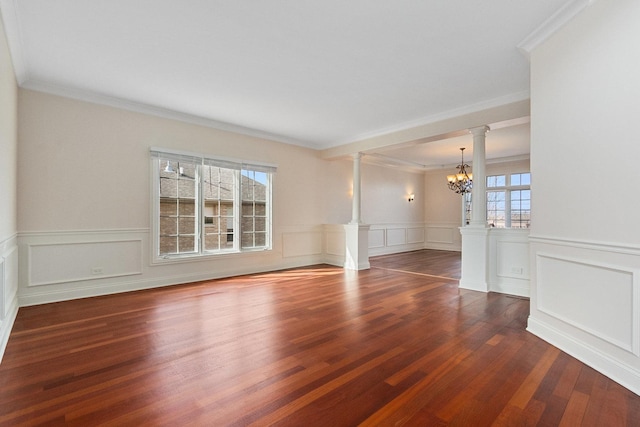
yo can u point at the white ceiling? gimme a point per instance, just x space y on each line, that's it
313 73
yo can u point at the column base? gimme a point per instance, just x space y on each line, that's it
475 262
356 247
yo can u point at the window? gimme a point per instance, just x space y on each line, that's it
509 200
206 206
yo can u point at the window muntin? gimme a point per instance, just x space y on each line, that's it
206 206
509 200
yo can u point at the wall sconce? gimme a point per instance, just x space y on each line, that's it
411 197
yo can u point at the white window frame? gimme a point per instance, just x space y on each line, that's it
507 189
201 160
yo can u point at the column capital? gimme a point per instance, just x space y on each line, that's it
357 155
480 130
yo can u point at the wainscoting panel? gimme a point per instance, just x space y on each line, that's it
387 239
443 236
596 298
376 238
334 241
10 281
415 235
396 236
509 261
301 243
8 289
79 261
585 299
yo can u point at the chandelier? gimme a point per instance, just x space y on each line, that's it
462 181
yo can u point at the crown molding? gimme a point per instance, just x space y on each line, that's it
552 24
468 109
137 107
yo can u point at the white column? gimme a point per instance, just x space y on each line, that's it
356 233
475 237
479 191
356 202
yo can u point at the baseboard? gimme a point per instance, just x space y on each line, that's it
46 296
619 372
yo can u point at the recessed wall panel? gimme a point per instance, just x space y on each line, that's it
396 236
415 235
54 263
440 235
596 298
376 238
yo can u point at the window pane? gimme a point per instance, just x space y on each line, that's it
254 221
212 242
227 184
168 226
501 181
168 245
186 244
496 208
211 182
247 240
247 209
515 179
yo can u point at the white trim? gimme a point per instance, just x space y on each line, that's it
552 24
621 248
46 295
622 373
109 231
138 107
159 152
634 346
456 112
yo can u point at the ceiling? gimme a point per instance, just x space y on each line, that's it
313 73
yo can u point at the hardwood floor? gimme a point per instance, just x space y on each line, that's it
398 344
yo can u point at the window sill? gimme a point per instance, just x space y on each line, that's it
179 259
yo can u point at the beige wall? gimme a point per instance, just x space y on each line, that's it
85 166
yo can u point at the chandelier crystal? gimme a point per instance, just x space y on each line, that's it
462 181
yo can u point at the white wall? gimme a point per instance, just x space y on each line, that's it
585 251
8 189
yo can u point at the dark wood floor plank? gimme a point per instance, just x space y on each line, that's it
398 344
